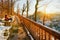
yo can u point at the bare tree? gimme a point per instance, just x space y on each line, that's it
24 7
2 6
18 10
27 7
36 8
12 4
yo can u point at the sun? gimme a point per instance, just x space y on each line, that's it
48 12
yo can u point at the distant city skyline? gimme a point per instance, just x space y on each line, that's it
52 7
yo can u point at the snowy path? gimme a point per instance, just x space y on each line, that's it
2 30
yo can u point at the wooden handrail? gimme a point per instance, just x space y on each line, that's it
39 31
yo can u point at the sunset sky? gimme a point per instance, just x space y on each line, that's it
52 6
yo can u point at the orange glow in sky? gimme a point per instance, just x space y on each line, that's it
52 7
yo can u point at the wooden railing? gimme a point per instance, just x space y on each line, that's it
39 31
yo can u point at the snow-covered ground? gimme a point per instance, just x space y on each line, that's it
2 30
